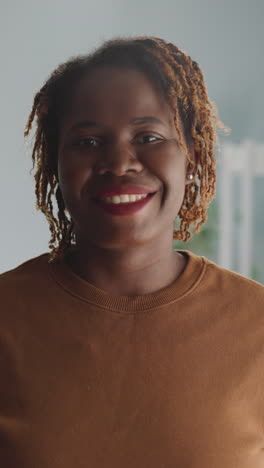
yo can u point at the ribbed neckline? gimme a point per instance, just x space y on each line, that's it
78 287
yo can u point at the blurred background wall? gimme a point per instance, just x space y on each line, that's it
226 38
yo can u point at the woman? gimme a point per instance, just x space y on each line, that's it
116 350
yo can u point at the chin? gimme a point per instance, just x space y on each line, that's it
119 243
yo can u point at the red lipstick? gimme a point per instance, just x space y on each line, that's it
124 209
128 189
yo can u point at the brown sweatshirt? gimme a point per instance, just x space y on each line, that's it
173 379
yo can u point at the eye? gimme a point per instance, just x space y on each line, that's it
87 142
148 138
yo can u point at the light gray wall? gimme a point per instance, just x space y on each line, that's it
225 37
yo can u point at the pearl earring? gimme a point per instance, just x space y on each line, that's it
190 176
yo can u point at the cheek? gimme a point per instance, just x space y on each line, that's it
73 177
72 170
169 164
173 174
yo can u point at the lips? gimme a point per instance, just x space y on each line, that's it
124 209
118 206
113 190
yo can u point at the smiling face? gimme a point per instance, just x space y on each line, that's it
118 138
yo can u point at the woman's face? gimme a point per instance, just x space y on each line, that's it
118 140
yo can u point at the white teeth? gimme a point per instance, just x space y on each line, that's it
117 199
124 198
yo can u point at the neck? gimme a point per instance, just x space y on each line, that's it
127 271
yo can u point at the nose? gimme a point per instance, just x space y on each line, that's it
118 159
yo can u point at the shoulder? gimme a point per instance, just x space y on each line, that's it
24 291
232 284
25 274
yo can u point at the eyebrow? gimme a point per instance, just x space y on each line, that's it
148 119
136 121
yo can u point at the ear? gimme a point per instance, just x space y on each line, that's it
191 165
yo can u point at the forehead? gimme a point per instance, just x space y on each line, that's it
111 92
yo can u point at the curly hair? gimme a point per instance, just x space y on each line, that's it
180 80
